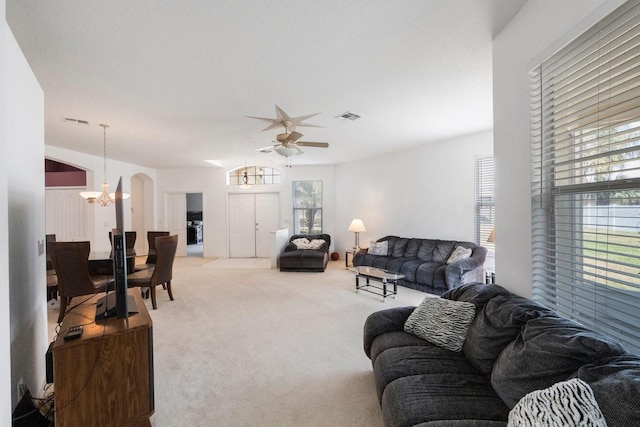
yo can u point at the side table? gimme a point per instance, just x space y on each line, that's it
348 252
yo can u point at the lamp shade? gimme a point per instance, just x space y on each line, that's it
357 226
492 236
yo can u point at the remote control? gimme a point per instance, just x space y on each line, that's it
73 332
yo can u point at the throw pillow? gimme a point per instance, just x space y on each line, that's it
378 248
316 244
458 254
568 404
442 322
301 243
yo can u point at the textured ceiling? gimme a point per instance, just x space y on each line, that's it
176 80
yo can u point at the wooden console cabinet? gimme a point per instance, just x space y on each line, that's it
104 378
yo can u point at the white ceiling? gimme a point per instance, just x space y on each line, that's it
175 80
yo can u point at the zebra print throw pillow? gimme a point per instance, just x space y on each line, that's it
442 322
568 404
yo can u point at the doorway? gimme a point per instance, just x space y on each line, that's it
252 217
195 235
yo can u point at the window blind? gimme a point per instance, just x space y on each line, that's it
585 141
485 202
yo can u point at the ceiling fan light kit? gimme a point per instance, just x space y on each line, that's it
288 143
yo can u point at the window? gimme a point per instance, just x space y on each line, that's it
485 205
585 116
307 207
255 175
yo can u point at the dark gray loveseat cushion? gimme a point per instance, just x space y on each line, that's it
442 398
548 350
615 383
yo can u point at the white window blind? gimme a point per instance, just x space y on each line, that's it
585 127
485 202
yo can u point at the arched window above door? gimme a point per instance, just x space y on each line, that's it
254 175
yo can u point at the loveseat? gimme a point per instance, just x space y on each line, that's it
512 347
306 252
424 262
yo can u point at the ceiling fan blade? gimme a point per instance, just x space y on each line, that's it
294 136
312 144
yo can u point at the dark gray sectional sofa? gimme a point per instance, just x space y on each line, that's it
423 263
513 346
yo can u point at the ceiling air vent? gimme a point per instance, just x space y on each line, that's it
349 116
77 121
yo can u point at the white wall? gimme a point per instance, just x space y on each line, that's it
211 182
103 218
539 29
22 222
424 192
5 336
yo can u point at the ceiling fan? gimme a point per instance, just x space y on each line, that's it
288 144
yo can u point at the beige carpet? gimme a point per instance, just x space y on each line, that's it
253 346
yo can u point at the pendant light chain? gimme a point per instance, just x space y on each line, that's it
104 150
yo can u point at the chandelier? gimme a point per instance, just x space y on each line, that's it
103 198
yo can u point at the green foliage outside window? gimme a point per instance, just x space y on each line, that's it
307 207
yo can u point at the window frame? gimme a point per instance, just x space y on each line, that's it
585 133
308 208
485 203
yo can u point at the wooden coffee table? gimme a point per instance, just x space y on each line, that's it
378 275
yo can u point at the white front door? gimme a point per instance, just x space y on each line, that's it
176 220
267 220
242 226
252 217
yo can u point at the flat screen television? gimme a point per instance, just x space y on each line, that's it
118 302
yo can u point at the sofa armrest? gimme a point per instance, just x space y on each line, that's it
454 271
290 247
380 322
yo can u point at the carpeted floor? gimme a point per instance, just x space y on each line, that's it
244 345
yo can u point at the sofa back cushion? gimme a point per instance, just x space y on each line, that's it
399 247
497 324
426 248
392 241
616 386
412 248
443 249
548 350
477 293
